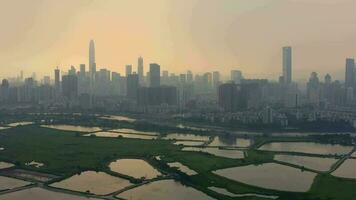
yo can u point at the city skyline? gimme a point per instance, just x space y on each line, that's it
178 42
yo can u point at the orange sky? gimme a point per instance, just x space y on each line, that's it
200 35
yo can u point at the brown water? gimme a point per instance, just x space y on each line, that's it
164 190
316 163
347 169
271 176
94 182
307 147
73 128
223 191
4 165
231 141
182 168
124 135
10 183
234 154
135 168
177 136
41 194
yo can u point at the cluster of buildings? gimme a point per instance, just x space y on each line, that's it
238 98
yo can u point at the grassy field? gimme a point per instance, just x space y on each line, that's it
65 153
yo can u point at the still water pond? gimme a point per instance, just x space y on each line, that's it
10 183
307 147
189 143
41 194
231 141
124 135
165 189
347 169
135 168
5 165
182 168
73 128
271 176
316 163
223 191
19 124
133 131
177 136
234 154
93 182
118 118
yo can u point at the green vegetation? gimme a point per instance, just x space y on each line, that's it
65 153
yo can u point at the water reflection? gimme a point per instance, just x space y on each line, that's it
41 194
234 154
118 118
7 183
133 131
93 182
135 168
72 128
124 135
271 176
307 147
227 193
347 169
5 165
230 140
177 136
316 163
182 168
165 189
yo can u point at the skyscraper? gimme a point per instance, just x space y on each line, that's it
287 65
56 80
128 70
216 79
349 73
132 86
92 65
155 75
140 69
236 76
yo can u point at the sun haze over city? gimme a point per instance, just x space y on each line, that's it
199 35
177 99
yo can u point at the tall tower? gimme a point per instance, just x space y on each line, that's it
92 66
140 69
56 79
349 73
155 75
287 65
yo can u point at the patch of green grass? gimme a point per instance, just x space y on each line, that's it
330 187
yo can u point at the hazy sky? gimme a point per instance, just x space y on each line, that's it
200 35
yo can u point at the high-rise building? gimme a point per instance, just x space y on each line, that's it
70 87
57 85
92 65
228 98
189 76
46 80
128 70
155 75
350 73
287 65
236 76
140 69
82 70
216 79
132 86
